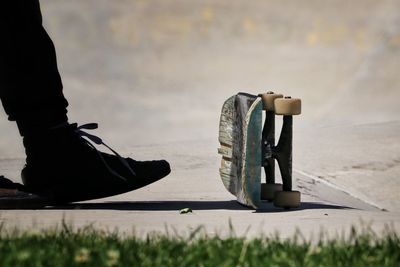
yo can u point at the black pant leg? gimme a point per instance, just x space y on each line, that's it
30 84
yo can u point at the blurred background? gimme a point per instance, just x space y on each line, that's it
155 71
154 75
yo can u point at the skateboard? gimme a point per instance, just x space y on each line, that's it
247 146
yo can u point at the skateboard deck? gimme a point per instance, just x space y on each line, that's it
240 133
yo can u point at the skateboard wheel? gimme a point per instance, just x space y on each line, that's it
268 191
288 106
269 100
287 199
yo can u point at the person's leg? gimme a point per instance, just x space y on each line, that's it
60 162
30 85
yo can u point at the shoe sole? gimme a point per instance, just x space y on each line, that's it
14 199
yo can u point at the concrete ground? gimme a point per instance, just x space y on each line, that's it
155 73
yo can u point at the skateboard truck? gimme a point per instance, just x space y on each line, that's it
247 147
281 194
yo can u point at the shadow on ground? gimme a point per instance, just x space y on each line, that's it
194 205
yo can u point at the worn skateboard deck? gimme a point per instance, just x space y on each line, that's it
240 133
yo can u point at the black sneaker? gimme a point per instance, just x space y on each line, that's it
63 165
16 196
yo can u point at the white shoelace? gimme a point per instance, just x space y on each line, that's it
98 141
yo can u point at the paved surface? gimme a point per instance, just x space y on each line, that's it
195 183
154 74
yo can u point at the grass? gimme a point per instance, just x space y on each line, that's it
89 247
